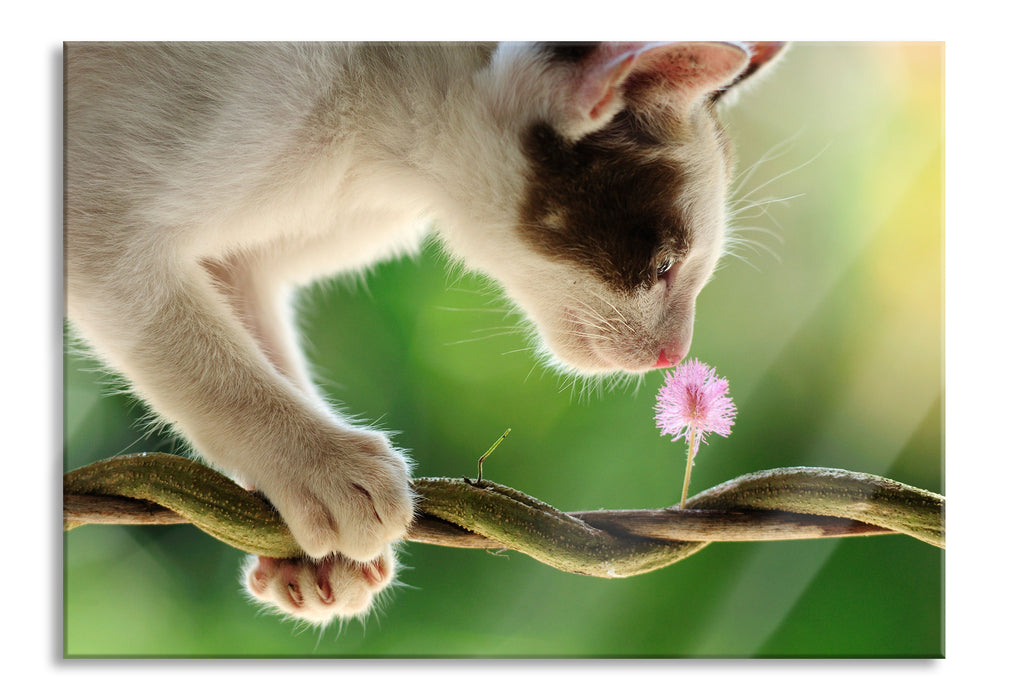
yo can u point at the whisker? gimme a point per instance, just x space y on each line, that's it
596 315
482 310
599 325
741 258
757 229
513 331
533 368
761 204
594 336
595 319
770 216
769 155
606 301
735 252
487 291
753 245
528 348
784 174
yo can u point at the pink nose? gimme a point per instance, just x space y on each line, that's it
664 361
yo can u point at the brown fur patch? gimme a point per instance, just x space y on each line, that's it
612 202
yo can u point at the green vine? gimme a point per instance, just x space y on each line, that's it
796 502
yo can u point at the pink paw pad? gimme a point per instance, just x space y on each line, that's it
319 591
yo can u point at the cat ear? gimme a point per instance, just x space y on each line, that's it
600 79
763 54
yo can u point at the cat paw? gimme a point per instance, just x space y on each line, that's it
355 500
318 591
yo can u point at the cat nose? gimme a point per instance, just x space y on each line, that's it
667 361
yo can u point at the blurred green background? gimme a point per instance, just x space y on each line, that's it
830 332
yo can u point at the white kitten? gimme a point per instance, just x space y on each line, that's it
204 182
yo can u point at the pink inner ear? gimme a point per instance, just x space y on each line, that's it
762 52
603 72
688 70
600 95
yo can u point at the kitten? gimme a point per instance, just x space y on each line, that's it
204 182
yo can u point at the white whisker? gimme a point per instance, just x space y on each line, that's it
745 208
781 175
770 154
487 336
596 315
528 348
483 310
761 204
610 304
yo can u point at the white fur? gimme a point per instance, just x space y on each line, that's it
204 182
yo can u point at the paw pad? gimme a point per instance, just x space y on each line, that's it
318 591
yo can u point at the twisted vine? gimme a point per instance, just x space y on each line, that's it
789 503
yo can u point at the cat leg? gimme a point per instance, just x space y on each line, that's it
171 330
315 591
261 302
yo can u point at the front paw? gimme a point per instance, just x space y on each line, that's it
318 591
351 495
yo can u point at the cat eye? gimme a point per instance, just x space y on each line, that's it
665 266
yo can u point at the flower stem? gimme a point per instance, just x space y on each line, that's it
690 463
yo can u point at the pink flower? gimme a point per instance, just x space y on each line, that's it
694 399
692 403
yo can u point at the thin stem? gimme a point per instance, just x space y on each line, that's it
690 463
479 462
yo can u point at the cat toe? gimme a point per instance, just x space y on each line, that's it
313 527
378 516
318 591
378 505
355 505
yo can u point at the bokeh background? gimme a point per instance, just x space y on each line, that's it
828 325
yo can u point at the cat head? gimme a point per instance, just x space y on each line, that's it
618 207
